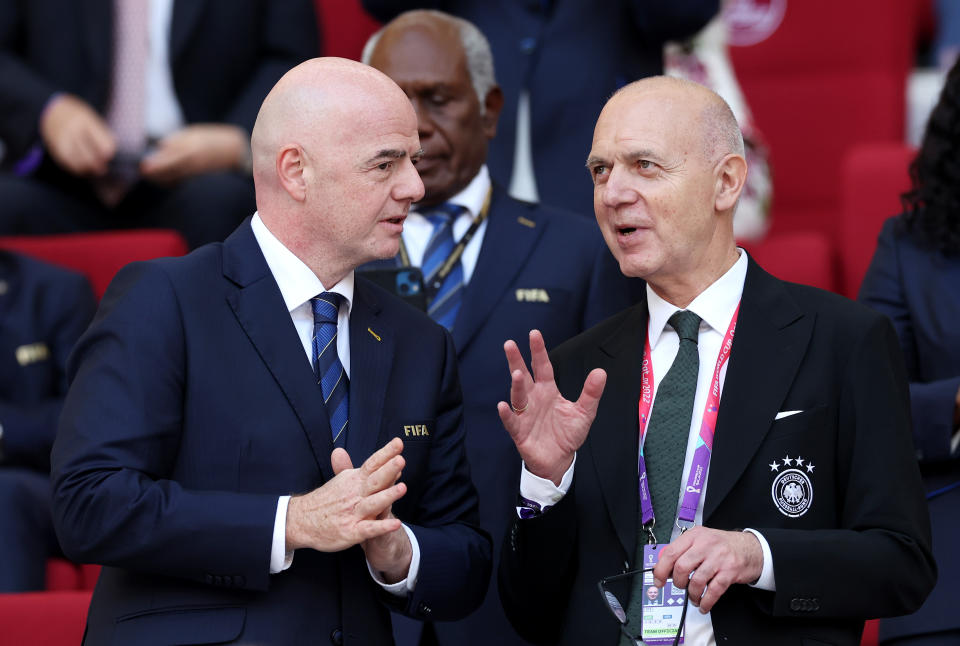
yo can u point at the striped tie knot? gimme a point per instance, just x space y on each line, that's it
445 291
326 307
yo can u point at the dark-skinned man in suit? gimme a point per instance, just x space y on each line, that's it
524 266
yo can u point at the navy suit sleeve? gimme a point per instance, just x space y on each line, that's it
455 555
883 535
288 37
23 93
66 305
932 402
115 501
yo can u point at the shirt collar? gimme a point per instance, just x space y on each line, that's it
472 196
715 305
297 282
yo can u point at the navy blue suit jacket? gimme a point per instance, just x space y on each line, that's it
538 268
192 407
918 289
224 57
571 56
43 311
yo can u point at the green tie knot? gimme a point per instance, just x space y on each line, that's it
687 325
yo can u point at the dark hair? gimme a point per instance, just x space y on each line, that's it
932 205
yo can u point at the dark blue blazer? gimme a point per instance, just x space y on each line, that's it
919 289
529 253
43 311
192 407
225 55
571 55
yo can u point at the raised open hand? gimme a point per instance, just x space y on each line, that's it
546 428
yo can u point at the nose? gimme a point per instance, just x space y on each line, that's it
410 186
618 189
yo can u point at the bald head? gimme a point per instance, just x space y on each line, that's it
314 101
719 131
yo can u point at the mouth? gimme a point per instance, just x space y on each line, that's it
395 222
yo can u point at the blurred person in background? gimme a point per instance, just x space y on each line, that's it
43 311
914 279
137 113
559 61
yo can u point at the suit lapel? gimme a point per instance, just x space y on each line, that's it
371 358
771 340
263 315
506 247
185 16
614 439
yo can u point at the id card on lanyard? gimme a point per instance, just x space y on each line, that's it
686 513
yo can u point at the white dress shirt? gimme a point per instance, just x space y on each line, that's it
417 229
163 113
298 284
715 306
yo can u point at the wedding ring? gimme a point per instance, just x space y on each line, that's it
516 410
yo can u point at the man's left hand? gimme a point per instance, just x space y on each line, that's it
194 150
390 553
715 558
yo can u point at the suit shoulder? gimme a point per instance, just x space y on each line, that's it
594 336
846 318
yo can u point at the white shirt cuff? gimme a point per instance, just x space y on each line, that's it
280 558
543 491
402 588
955 442
766 580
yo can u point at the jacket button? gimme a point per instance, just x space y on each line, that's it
424 609
336 637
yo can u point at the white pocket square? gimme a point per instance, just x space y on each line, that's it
786 413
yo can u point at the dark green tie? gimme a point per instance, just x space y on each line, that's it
666 443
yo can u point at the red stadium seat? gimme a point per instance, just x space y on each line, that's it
870 633
799 257
344 27
99 255
66 575
825 76
43 618
872 177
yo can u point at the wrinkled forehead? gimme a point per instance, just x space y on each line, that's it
663 120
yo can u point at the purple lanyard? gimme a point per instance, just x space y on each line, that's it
701 455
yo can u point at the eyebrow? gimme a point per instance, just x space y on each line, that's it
394 153
630 157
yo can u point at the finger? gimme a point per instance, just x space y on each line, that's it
383 455
713 591
340 461
519 391
698 580
375 504
666 560
385 476
539 360
100 139
367 529
593 386
515 359
508 418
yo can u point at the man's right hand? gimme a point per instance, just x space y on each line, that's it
343 512
546 428
77 138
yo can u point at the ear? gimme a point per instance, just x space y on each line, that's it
291 163
731 176
491 114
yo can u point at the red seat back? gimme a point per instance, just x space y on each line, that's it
99 255
873 177
43 618
799 257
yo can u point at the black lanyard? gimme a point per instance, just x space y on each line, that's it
455 254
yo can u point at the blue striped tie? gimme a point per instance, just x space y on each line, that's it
326 364
445 304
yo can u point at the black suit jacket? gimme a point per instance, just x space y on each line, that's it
225 55
193 406
861 549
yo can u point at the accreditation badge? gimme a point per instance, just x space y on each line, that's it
662 607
